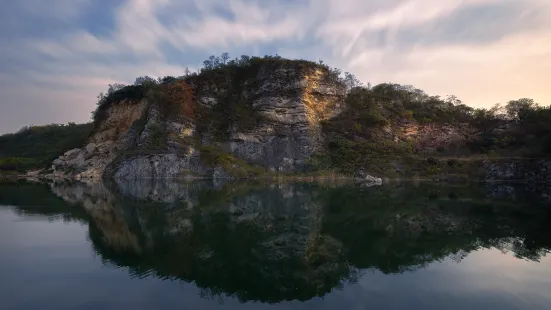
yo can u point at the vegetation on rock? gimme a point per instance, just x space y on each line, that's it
369 132
372 132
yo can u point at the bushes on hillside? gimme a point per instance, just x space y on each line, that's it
38 146
519 125
16 164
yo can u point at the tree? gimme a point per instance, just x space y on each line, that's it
167 80
334 74
217 62
245 60
224 57
114 87
144 80
516 109
453 100
351 81
497 111
207 64
211 63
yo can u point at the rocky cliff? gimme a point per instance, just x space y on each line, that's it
265 117
270 115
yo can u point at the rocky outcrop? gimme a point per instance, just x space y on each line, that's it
435 137
267 118
291 105
141 140
111 137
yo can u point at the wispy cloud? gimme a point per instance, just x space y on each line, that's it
58 55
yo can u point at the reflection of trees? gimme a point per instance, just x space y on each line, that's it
403 228
37 199
285 242
264 245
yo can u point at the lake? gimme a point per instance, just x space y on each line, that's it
166 245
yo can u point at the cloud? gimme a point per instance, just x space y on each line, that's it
58 55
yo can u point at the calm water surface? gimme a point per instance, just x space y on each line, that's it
158 245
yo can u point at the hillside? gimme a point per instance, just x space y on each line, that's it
396 128
254 116
37 146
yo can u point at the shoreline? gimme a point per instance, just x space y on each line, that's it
450 179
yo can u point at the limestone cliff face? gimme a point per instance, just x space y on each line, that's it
112 136
288 103
292 112
269 119
134 141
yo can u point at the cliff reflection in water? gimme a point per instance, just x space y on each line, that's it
274 242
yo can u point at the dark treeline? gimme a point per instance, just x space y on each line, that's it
37 146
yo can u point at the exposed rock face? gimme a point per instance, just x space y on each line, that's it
154 166
292 105
114 135
139 140
435 137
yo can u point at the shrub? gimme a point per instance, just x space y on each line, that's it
373 118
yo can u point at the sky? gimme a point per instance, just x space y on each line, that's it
56 56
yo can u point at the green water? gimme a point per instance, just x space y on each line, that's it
163 245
